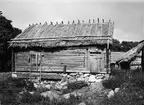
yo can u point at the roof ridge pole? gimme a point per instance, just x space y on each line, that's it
101 29
62 22
98 20
61 33
96 27
78 21
82 25
79 26
68 22
103 20
56 23
89 21
75 28
51 23
90 27
46 23
73 22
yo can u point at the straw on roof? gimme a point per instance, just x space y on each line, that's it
131 54
74 34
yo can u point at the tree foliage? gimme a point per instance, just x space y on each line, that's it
7 32
122 46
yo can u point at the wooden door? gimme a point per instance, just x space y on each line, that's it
97 62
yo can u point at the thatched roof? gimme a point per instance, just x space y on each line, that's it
131 54
64 35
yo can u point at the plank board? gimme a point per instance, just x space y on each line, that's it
73 59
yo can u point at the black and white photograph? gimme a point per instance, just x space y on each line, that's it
71 52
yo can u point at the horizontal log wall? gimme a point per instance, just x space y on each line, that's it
74 60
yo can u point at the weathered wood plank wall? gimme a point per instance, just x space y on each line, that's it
73 60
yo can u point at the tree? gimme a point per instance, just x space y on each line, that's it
116 45
123 46
127 45
7 32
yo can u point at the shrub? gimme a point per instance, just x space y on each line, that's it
8 97
77 85
138 79
3 85
112 83
129 94
29 98
71 101
29 85
41 89
18 82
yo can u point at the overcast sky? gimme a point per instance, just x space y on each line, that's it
127 15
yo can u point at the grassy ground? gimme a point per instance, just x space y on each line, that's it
131 92
11 87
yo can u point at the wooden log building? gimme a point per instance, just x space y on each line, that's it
71 47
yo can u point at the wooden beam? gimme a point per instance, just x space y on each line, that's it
66 38
82 39
13 60
40 66
64 69
30 65
88 60
36 55
142 60
107 60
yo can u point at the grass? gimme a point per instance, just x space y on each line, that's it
131 90
77 85
37 99
10 88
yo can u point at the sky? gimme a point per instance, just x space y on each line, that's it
128 16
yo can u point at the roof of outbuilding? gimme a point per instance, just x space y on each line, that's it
131 55
75 34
